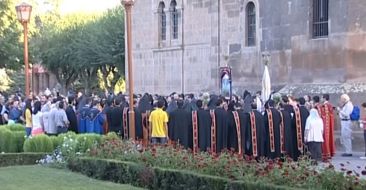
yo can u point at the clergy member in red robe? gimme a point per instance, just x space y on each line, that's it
327 114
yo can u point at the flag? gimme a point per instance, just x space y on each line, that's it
266 85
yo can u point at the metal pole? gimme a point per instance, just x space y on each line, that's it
26 64
131 113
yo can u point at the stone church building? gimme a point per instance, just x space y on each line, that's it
315 46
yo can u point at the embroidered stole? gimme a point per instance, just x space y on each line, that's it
213 132
195 131
271 130
300 145
282 134
145 128
253 126
125 131
238 131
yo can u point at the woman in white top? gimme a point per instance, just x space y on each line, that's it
37 121
314 134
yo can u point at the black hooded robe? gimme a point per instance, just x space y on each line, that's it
287 121
180 127
221 119
138 124
276 129
204 129
260 134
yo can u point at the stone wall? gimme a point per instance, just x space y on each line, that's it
213 34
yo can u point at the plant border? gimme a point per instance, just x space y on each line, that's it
12 159
159 178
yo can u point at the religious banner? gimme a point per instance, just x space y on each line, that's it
225 82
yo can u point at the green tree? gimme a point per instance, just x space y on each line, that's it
10 32
78 47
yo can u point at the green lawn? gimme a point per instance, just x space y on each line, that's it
43 178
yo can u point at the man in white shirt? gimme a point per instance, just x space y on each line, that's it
346 131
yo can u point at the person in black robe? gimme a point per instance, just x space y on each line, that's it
138 122
71 115
114 116
190 103
212 102
287 122
180 126
276 122
124 103
172 106
145 107
304 114
295 153
107 107
145 103
204 127
247 97
232 143
221 120
260 132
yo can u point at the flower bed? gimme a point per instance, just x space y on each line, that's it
158 178
301 174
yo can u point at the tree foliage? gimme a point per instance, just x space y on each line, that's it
77 47
10 32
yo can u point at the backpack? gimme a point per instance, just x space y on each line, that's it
355 115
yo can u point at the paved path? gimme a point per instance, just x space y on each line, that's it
354 163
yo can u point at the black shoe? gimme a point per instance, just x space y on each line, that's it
346 155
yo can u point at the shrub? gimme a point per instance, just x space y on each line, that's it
110 137
86 141
40 143
55 142
7 140
61 138
10 159
19 138
158 178
15 127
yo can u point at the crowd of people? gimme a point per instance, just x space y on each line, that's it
246 124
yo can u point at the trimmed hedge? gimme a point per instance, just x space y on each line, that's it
11 139
15 127
40 143
158 178
11 159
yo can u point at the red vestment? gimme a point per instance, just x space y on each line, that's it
327 114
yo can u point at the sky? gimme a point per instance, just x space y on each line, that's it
70 6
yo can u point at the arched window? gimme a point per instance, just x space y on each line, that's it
174 18
162 21
251 24
320 18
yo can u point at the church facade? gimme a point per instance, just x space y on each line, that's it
180 45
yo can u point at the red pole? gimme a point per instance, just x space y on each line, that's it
26 63
128 8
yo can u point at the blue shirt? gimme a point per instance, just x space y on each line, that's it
15 114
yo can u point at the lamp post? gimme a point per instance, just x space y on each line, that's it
128 4
24 11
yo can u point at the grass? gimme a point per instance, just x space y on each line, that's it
43 178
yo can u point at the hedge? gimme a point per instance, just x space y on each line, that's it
158 178
15 127
11 159
40 143
11 138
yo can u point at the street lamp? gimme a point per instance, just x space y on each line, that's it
128 4
24 11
